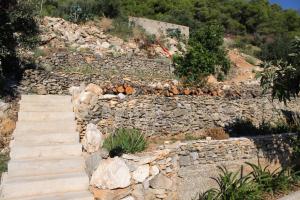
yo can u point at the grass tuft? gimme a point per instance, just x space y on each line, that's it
125 141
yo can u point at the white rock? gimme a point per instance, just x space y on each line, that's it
154 170
85 97
128 198
121 96
141 173
105 45
94 89
111 174
4 106
93 139
75 92
108 96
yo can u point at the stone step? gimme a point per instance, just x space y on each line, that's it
45 167
81 195
55 126
29 139
42 107
21 187
52 151
45 98
45 116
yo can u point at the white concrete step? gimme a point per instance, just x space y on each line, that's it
42 107
45 167
39 152
45 116
41 185
81 195
29 139
55 126
45 98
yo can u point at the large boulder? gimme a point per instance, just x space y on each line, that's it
111 174
93 139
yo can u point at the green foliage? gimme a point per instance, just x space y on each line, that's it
80 10
253 186
125 141
18 29
204 56
277 49
279 180
283 77
3 163
236 16
233 186
121 28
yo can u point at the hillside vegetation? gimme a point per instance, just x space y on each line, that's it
237 16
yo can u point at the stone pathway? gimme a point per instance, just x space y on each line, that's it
46 156
293 196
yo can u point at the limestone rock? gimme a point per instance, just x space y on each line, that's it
92 140
141 173
121 96
161 182
128 198
94 89
110 194
86 97
105 45
92 162
111 174
154 170
108 96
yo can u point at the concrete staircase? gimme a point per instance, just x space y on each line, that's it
46 157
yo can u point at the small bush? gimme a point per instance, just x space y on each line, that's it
233 186
121 28
7 127
217 133
106 24
205 55
271 182
251 60
3 163
125 141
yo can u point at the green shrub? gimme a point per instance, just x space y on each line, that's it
121 28
233 186
280 180
3 163
125 141
204 56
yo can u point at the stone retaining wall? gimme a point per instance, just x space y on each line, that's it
156 115
159 27
182 170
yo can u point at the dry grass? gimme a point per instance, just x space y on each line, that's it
217 134
106 24
138 33
7 126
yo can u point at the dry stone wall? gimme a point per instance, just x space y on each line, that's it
180 171
156 115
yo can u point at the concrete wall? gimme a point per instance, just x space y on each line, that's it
158 27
